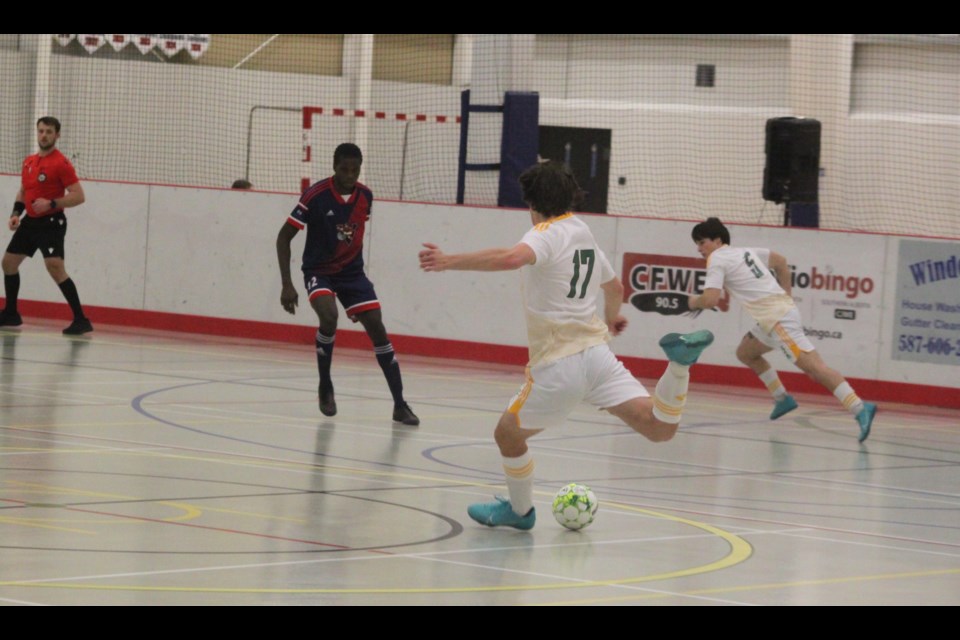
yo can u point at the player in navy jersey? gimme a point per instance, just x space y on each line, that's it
335 212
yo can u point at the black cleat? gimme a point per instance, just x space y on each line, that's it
404 414
328 405
78 327
10 319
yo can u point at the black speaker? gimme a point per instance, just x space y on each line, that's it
792 170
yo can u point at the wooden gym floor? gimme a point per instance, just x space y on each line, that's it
149 468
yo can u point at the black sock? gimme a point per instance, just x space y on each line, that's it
324 346
391 370
11 285
73 298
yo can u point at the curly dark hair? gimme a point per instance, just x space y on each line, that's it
550 188
710 229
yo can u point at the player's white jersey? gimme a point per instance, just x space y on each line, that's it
745 275
562 287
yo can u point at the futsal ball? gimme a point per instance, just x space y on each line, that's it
575 506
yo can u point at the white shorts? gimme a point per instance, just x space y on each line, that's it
787 335
553 390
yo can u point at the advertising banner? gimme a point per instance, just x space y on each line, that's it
835 283
926 324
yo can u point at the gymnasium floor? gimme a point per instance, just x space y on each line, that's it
150 468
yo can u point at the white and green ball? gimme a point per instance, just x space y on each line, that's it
575 506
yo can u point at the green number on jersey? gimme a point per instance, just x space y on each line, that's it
581 256
753 265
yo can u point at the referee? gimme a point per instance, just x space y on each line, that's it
48 185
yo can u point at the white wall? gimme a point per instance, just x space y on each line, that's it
210 252
891 143
906 77
660 70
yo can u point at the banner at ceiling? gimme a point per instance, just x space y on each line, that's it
117 40
91 41
195 44
145 42
172 43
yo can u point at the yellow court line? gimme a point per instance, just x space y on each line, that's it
755 587
740 550
190 511
540 587
227 355
240 459
30 522
164 349
251 514
69 490
824 581
46 429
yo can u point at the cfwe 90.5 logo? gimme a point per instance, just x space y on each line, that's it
661 284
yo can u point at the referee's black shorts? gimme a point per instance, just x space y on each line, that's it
45 233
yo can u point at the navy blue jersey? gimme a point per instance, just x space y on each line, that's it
334 227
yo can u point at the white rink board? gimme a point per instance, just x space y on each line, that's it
105 247
211 252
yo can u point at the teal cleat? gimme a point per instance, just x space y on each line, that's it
783 406
501 514
685 348
865 419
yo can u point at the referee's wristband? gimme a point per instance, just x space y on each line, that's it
53 205
18 209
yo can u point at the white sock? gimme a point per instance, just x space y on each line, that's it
671 393
772 380
848 398
519 473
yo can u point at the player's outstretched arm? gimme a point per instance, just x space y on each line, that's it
432 258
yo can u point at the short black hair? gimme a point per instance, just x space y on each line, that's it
710 229
241 183
347 150
50 120
550 188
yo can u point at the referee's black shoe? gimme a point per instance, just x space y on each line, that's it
10 319
78 327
